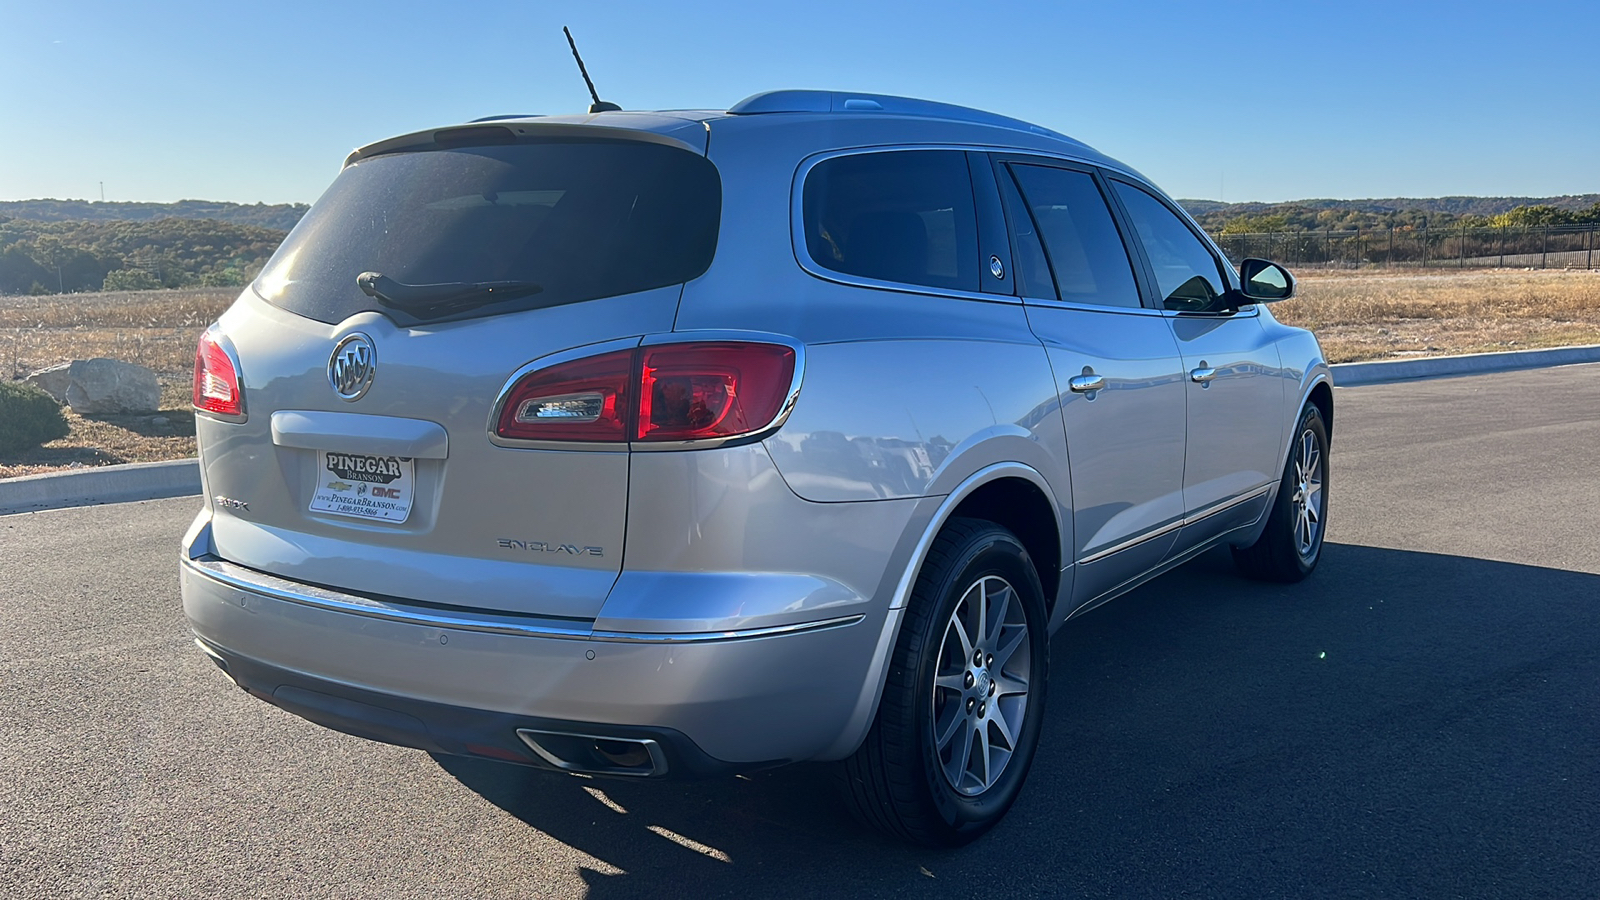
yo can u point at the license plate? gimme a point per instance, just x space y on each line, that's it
364 487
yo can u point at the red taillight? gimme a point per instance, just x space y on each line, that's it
663 392
584 400
711 389
216 381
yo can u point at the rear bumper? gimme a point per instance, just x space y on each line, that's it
442 728
463 682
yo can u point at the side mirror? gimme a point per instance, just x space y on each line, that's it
1265 281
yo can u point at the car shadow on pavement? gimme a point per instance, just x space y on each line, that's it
1401 724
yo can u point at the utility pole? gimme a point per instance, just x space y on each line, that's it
102 192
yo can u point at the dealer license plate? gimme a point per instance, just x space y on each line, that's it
364 487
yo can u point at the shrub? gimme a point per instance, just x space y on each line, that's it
28 417
130 280
229 277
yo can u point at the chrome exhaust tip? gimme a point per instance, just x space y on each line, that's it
596 754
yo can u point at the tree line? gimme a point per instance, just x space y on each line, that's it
55 257
1300 217
281 216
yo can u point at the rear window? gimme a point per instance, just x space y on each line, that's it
581 219
904 216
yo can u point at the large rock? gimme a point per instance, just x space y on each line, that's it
53 380
102 386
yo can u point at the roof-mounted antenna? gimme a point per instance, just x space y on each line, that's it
598 106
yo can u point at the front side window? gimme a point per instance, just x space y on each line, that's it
1086 252
905 216
1186 273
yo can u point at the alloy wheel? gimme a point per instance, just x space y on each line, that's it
980 688
1308 494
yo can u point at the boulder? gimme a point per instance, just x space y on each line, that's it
111 386
53 380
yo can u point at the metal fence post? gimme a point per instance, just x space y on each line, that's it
1463 247
1589 263
1388 261
1502 246
1544 249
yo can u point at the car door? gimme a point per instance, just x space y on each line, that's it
1235 424
1117 368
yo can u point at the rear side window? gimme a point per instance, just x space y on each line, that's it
904 216
580 219
1087 256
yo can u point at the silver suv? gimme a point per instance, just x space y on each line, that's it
674 443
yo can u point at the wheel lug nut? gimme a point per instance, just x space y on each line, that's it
990 661
983 708
970 679
977 658
991 688
970 702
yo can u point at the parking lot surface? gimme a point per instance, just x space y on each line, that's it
1419 719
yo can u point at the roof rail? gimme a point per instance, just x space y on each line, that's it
506 116
795 101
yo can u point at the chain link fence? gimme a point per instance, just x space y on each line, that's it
1528 247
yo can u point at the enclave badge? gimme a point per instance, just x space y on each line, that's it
352 366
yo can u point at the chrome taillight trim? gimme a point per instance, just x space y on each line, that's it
751 337
653 340
544 362
226 345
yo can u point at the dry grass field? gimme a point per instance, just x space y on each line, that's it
1378 315
152 328
1357 315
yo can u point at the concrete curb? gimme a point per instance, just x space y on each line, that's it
103 484
1389 370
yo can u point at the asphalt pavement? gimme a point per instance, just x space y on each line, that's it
1419 719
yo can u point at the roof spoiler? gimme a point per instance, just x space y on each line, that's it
479 134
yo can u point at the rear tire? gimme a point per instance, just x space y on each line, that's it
1291 544
964 698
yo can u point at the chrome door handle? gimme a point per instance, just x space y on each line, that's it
1202 374
1084 384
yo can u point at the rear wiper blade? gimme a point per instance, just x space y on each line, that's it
442 298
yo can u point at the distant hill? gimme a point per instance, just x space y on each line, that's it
279 216
1397 212
1457 206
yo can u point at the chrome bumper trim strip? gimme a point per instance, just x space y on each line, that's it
258 583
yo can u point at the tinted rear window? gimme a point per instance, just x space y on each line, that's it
583 219
904 216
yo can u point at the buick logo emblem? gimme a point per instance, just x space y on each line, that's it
352 366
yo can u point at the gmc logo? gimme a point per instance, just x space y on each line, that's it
390 493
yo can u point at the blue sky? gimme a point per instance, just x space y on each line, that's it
176 99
